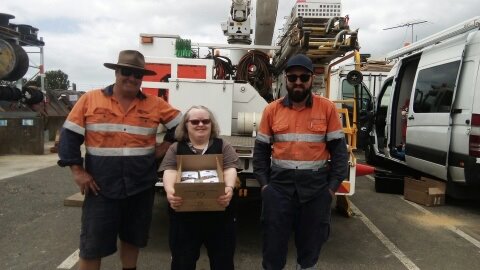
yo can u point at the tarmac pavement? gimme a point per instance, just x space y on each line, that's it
13 165
386 232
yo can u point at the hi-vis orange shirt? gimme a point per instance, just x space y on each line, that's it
299 136
301 151
109 131
120 145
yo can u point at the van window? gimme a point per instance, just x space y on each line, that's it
365 99
386 95
434 88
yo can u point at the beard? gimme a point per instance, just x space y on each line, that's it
297 95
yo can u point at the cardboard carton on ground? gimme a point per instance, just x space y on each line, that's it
426 191
200 196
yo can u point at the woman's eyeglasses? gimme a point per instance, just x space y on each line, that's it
196 122
303 78
128 71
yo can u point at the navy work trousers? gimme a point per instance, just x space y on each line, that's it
282 214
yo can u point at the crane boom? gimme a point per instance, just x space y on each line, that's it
266 15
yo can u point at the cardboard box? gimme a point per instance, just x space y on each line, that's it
200 196
425 191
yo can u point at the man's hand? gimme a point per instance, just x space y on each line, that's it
224 200
84 180
332 193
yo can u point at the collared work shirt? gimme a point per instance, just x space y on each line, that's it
120 145
307 147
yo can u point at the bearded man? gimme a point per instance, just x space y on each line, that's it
300 159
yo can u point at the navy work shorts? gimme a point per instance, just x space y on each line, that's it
104 219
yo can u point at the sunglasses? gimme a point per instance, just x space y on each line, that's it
127 72
303 78
196 122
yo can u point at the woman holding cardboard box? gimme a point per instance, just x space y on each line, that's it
197 134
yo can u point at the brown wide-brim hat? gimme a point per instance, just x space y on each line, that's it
131 59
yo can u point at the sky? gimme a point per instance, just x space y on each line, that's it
80 36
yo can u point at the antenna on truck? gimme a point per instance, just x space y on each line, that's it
468 25
407 24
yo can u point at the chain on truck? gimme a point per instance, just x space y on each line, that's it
237 88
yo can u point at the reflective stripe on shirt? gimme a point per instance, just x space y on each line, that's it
121 128
264 138
335 135
299 164
120 152
295 137
174 122
74 127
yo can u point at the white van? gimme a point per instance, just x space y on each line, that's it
427 115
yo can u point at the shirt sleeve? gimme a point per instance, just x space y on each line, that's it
76 118
265 133
72 135
69 148
230 157
262 150
334 128
169 116
169 162
338 161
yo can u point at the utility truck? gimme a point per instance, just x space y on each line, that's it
237 80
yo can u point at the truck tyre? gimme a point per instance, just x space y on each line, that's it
21 64
8 59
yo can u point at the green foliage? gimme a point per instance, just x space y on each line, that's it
54 79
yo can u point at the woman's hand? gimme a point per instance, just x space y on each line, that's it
169 178
224 200
175 201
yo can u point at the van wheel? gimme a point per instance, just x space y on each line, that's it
370 157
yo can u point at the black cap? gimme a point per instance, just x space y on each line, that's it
300 60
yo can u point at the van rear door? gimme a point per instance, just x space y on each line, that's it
429 121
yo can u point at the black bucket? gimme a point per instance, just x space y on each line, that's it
389 182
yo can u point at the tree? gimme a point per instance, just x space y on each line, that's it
54 79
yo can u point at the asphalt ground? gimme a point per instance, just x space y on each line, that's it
386 232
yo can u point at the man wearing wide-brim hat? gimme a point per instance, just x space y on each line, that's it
117 176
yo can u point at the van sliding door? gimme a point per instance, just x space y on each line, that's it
429 122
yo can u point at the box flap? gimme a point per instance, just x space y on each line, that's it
199 162
424 184
435 183
435 191
415 184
